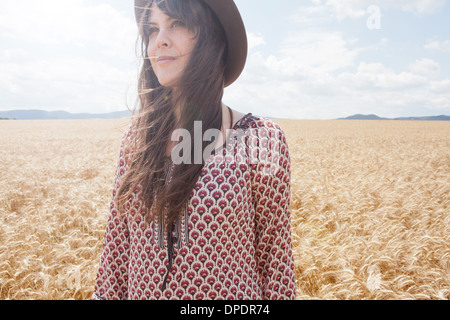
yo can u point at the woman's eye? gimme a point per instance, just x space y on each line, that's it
177 24
152 30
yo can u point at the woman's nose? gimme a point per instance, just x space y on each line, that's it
162 40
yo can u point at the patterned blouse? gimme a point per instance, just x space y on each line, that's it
233 240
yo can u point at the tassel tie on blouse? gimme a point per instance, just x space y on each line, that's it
171 242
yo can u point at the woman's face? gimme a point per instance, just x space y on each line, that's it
170 46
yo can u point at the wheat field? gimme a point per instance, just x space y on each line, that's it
370 207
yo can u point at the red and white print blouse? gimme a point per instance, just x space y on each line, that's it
233 240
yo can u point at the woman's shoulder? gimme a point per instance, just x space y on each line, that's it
259 124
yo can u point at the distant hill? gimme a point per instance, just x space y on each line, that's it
375 117
59 115
363 117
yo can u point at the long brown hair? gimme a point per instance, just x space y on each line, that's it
199 97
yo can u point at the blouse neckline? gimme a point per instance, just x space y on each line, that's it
236 126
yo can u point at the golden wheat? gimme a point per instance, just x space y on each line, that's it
370 207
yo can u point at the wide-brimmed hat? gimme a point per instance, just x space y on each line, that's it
231 21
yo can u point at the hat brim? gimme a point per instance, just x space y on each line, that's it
233 25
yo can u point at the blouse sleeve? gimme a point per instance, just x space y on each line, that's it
111 281
271 195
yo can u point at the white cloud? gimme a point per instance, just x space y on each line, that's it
376 77
66 55
298 78
439 46
11 54
76 22
255 40
317 75
347 9
320 50
441 88
376 85
425 67
311 16
417 6
354 9
72 84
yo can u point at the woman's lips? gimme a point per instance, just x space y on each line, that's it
164 59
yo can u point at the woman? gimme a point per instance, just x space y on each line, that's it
183 226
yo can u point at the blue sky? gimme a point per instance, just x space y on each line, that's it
308 59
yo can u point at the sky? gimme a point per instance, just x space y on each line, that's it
307 59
